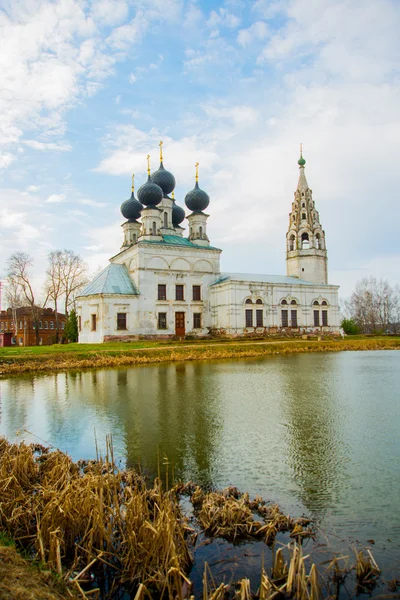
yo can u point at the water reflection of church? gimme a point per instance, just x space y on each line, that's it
163 284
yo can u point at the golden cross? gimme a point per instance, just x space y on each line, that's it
160 144
148 164
197 171
133 182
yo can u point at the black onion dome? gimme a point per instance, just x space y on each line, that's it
197 199
131 208
178 214
150 193
164 179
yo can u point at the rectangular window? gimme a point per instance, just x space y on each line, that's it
46 325
196 292
40 325
324 318
80 323
179 292
259 318
94 322
249 318
51 325
285 318
316 318
63 325
162 321
293 317
162 291
196 320
121 321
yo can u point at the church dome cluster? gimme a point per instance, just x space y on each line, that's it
158 186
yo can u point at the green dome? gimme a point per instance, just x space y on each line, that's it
301 161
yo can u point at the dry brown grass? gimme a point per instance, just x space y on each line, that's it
70 516
205 351
86 518
231 515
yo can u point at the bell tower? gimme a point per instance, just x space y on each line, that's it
306 255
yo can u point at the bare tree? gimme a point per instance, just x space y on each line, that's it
54 283
18 274
73 277
14 301
374 305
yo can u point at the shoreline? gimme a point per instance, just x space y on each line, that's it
41 359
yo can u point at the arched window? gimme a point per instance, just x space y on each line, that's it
259 301
165 219
317 241
304 216
302 193
291 242
293 302
284 301
201 232
154 232
303 205
134 238
316 303
324 303
248 301
305 241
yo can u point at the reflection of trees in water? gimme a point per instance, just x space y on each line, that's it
169 410
314 425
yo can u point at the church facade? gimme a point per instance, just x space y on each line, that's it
162 284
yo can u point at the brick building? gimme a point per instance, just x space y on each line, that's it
23 331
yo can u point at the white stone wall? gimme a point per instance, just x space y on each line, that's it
229 305
311 265
106 307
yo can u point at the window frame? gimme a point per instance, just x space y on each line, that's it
325 321
197 317
259 317
196 290
181 288
162 323
124 321
93 322
293 318
284 317
249 317
162 291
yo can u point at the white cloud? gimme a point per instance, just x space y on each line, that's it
48 146
224 18
258 31
90 202
132 78
56 199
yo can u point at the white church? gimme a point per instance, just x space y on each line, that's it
162 284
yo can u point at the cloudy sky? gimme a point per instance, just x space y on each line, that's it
89 88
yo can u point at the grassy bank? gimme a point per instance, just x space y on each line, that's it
77 356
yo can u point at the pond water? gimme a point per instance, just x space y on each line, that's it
316 433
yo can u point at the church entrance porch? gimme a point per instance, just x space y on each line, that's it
180 324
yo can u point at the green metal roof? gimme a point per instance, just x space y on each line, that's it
177 240
223 277
114 279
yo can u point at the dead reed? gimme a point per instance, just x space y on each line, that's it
90 518
233 516
70 517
